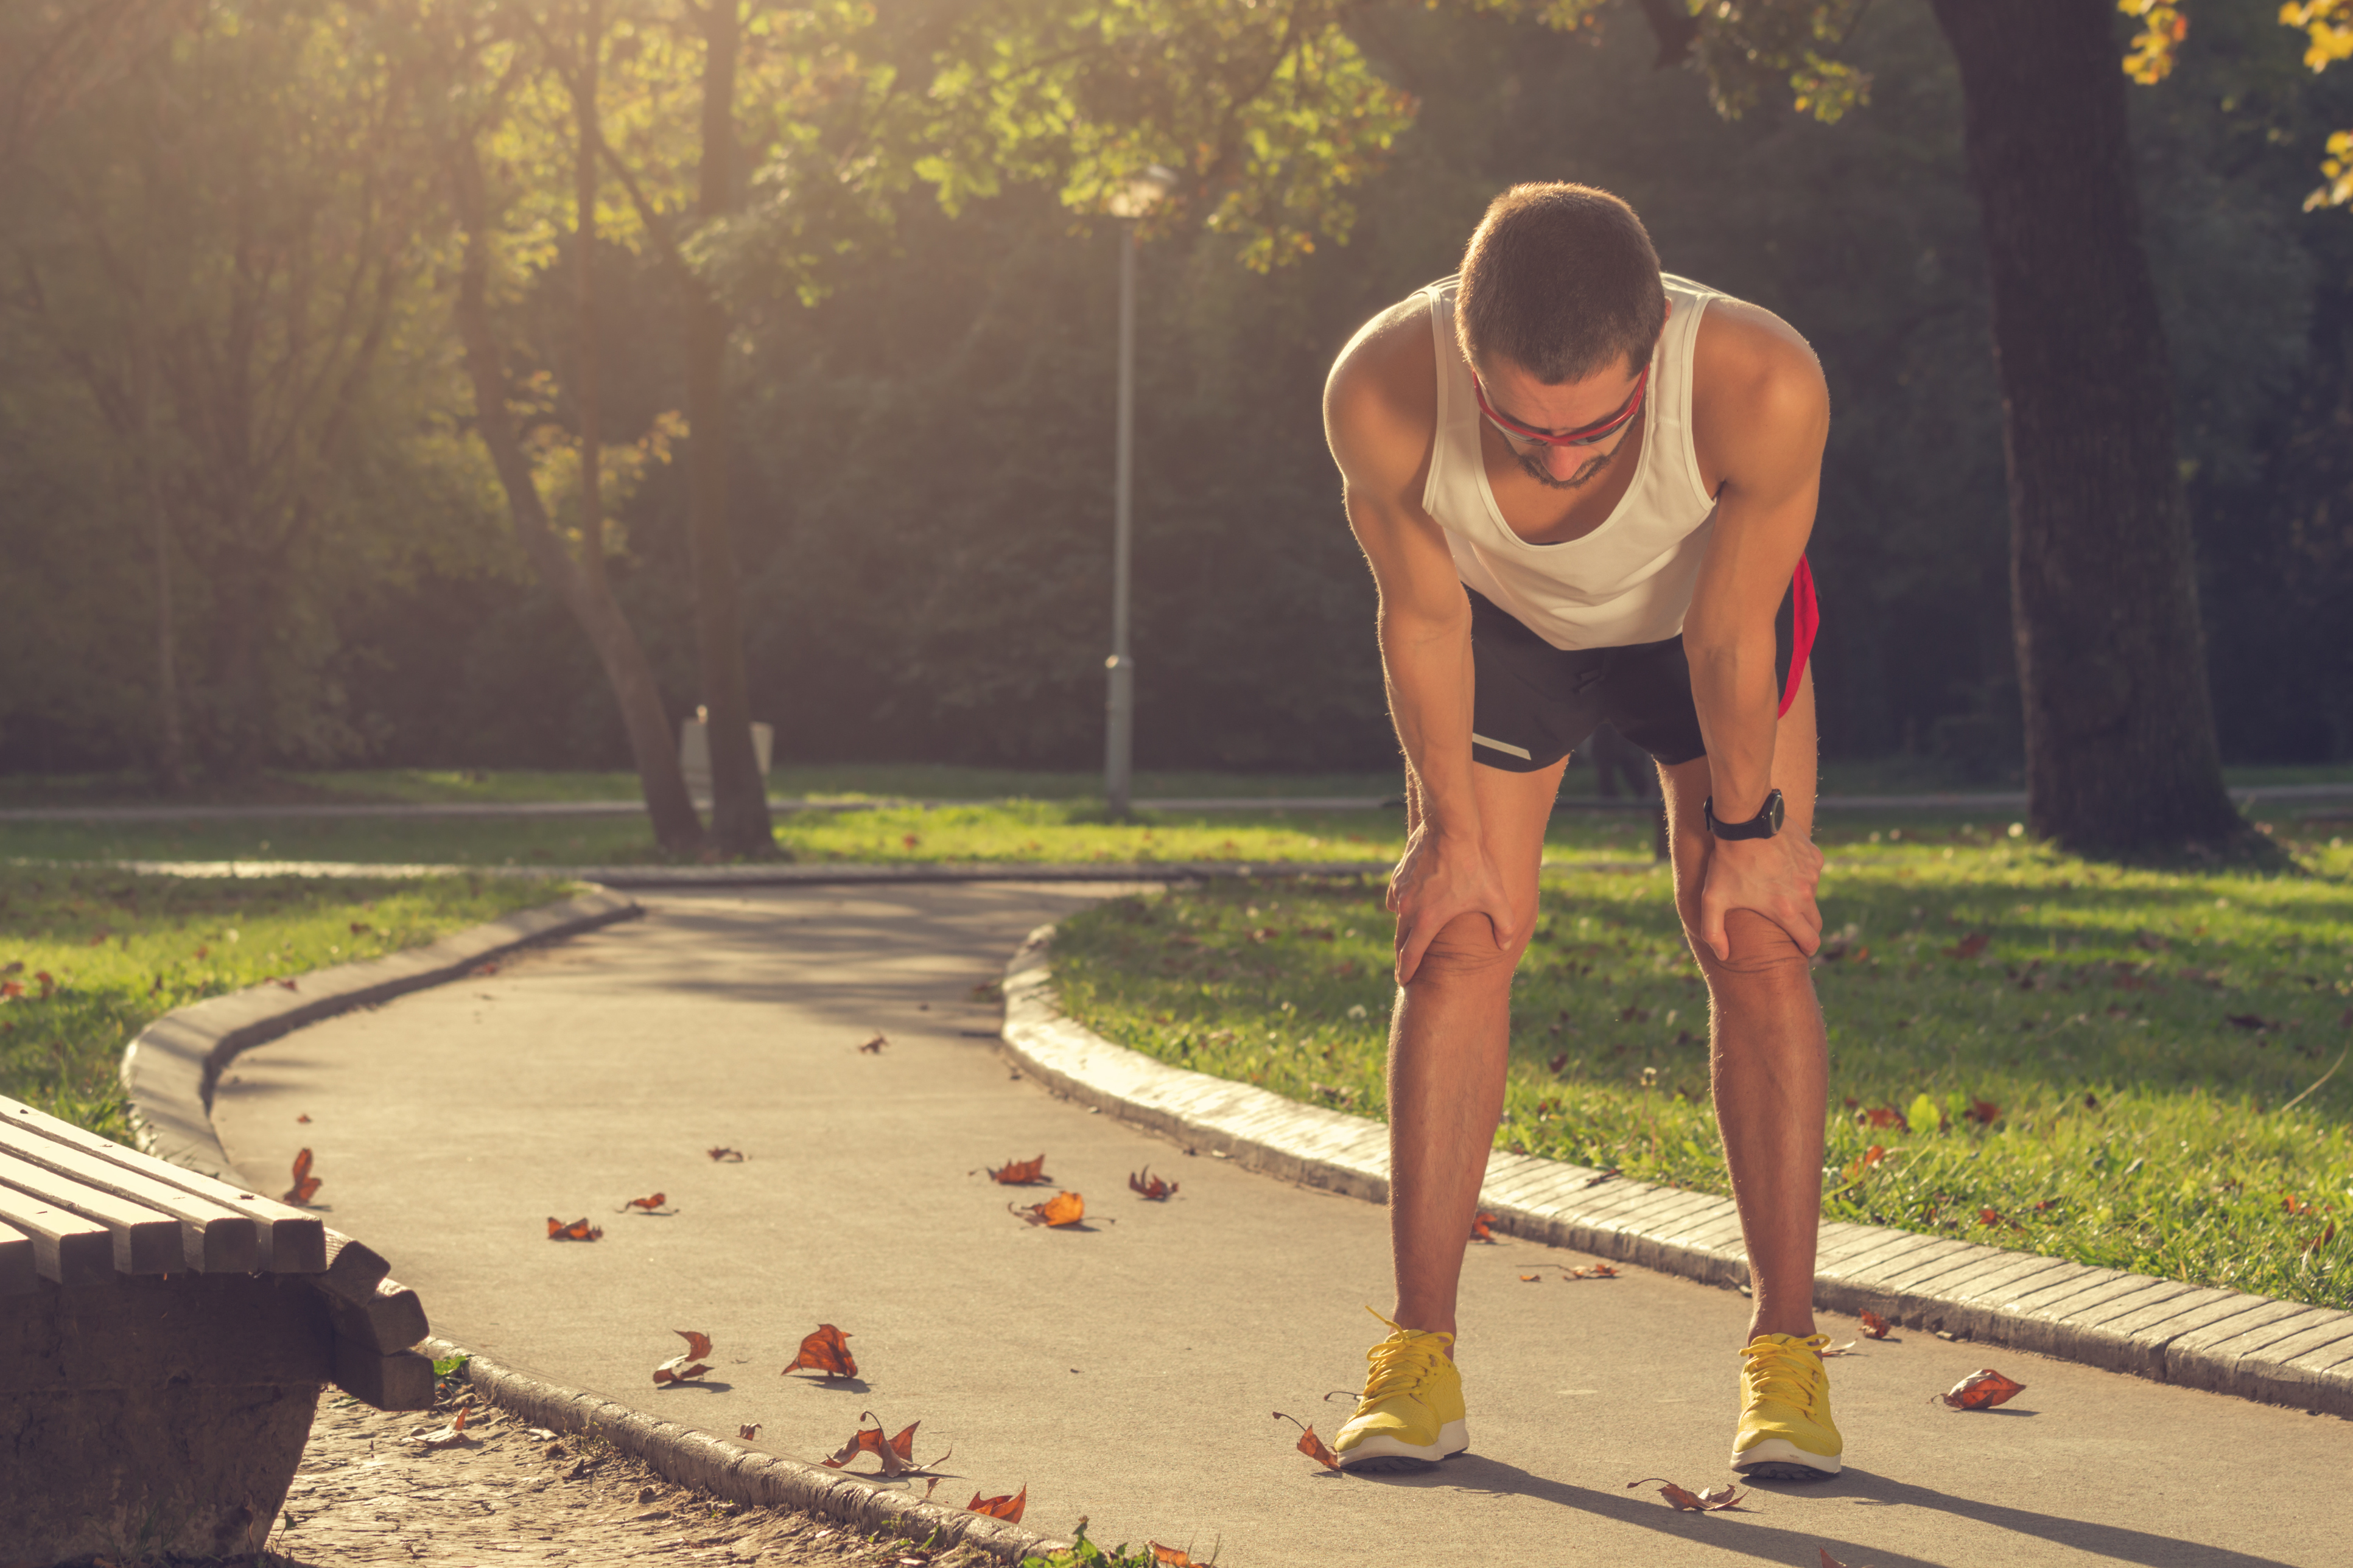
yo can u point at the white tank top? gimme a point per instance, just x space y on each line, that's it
1628 581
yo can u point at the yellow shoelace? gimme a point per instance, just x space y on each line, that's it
1781 1372
1400 1363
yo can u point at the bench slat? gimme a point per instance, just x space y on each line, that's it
67 1248
218 1239
401 1381
391 1319
144 1242
292 1240
20 1271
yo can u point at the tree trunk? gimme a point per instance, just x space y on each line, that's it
676 828
171 753
2120 750
739 796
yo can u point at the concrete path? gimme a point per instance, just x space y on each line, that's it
1126 1371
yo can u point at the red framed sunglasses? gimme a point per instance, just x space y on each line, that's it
1585 438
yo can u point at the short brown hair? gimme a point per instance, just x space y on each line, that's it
1561 280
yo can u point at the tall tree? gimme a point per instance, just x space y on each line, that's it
2119 725
483 67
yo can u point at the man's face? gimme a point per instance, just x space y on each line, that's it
1597 415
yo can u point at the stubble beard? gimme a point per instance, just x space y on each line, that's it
1591 470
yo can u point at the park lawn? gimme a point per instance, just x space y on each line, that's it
1007 831
89 956
2051 1055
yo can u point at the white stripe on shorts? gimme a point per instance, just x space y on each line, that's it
1519 752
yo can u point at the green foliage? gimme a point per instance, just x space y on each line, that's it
89 956
2138 1035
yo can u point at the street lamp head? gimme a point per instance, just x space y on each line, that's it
1144 190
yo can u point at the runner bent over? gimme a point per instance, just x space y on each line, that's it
1583 488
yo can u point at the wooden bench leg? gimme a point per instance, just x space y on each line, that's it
155 1415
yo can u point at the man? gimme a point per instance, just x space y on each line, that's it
1584 489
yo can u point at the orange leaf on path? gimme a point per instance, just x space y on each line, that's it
1714 1502
450 1436
578 1230
305 1184
1019 1172
748 1430
677 1370
897 1453
1982 1390
1310 1444
1150 1185
649 1204
1875 1326
824 1352
304 1117
1063 1208
1479 1224
731 1157
874 1046
1173 1556
1008 1509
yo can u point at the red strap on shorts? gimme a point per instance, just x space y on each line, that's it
1805 620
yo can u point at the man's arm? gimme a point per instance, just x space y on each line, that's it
1380 418
1761 416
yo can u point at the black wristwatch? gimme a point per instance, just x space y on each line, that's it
1764 825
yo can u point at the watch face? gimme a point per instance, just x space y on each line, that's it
1774 809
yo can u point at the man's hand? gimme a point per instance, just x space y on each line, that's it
1442 876
1776 876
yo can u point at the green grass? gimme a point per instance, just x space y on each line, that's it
1007 831
2134 1124
93 955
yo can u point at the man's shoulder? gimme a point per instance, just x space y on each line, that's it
1380 402
1751 369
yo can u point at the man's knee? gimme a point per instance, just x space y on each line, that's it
1758 946
1465 953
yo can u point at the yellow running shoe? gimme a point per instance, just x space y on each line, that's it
1410 1414
1785 1433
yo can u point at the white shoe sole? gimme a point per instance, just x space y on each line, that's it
1388 1453
1778 1459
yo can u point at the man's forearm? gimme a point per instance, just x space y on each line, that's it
1426 666
1733 686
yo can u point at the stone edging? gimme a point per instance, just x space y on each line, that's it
729 1471
170 1070
2279 1352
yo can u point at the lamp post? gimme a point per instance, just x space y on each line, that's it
1142 193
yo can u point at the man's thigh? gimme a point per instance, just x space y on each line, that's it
1514 809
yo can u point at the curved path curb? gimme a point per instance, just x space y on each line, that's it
2278 1353
170 1070
733 1473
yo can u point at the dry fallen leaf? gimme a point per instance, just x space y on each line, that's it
1874 1327
1173 1556
1714 1502
578 1230
305 1184
1846 1349
874 1046
1310 1444
1982 1390
1479 1224
1063 1208
748 1430
897 1455
1578 1271
678 1368
1019 1172
304 1117
1884 1116
450 1436
1008 1509
824 1352
1150 1185
733 1156
1968 946
1984 1112
649 1204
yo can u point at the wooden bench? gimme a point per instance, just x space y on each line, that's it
164 1338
